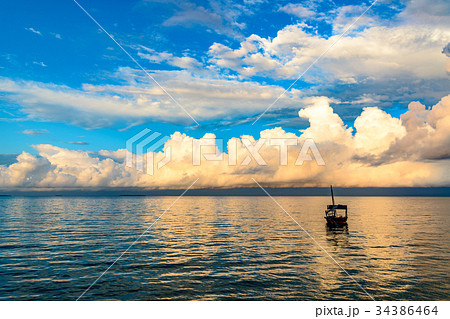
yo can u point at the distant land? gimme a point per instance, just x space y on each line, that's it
247 191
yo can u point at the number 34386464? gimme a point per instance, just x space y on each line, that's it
406 310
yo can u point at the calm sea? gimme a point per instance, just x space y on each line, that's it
223 248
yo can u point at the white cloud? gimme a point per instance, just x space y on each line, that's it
374 53
34 132
298 10
350 17
380 63
34 31
325 125
40 63
427 132
219 16
104 105
398 59
184 62
153 56
377 131
384 151
339 18
434 12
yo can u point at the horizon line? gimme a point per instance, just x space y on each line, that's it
423 191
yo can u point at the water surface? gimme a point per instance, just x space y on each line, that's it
223 248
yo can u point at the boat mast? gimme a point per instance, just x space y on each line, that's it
332 195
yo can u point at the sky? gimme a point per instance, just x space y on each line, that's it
367 82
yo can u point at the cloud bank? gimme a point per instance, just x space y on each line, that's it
100 106
381 151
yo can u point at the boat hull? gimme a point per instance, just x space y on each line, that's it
336 221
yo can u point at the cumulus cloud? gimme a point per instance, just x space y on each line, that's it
374 53
427 132
399 58
399 62
380 151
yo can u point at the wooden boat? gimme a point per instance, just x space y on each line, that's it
336 215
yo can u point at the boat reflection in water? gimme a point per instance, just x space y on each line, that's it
337 235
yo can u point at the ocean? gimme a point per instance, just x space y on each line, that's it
223 248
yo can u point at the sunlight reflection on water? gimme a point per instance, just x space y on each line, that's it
222 248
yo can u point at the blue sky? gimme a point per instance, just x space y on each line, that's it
56 47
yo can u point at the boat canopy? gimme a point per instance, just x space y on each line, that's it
337 207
